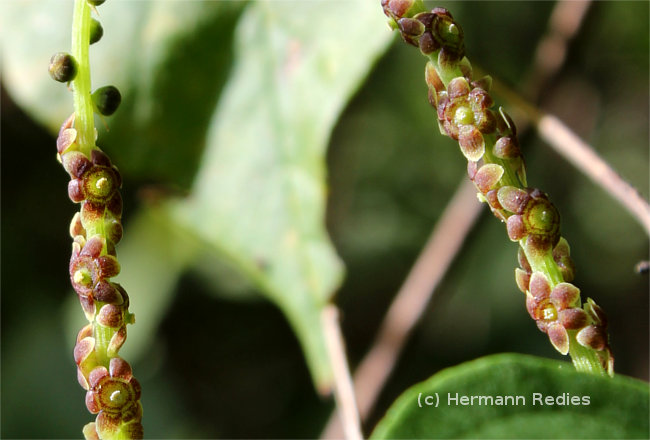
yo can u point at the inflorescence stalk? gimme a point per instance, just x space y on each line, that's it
111 390
488 139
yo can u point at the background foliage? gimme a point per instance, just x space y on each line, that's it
214 356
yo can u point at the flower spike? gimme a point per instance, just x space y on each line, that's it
111 390
488 139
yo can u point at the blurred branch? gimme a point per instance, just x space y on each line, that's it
343 391
411 300
581 155
565 21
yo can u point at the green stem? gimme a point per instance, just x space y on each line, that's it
583 359
83 108
85 126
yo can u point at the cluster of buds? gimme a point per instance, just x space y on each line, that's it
111 390
488 140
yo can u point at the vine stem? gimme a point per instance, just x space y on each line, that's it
410 301
343 390
84 120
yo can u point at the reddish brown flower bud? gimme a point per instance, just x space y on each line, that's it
411 26
108 266
428 44
572 319
495 206
488 177
104 291
523 279
110 316
75 163
87 305
515 227
76 228
100 158
484 83
396 8
65 139
506 147
458 87
596 313
75 191
592 337
561 255
93 247
523 261
539 286
90 433
113 230
118 339
471 142
432 78
472 168
83 349
114 205
565 295
513 199
559 337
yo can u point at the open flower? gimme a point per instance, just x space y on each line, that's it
114 395
465 116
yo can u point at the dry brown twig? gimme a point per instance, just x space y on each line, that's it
343 393
411 300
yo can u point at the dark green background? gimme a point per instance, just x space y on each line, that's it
233 369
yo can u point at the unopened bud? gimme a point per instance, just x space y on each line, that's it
96 31
63 67
106 100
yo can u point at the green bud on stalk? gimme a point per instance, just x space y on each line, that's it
106 100
96 31
63 67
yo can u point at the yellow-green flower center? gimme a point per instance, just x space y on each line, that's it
464 116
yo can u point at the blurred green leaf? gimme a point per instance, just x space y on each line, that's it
616 408
259 197
168 59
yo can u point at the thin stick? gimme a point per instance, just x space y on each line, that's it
583 157
343 391
411 300
580 154
563 25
